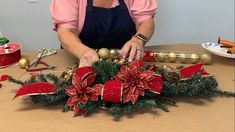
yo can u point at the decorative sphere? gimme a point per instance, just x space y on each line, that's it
24 63
104 53
161 56
115 61
194 58
172 57
183 58
122 61
206 59
113 53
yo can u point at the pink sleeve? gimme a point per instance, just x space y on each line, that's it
142 9
64 13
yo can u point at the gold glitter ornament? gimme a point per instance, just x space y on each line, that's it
104 53
24 63
161 56
194 58
115 61
122 61
113 53
183 58
172 57
206 59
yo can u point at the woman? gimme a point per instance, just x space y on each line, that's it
85 25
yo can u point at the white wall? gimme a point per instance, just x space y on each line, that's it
177 21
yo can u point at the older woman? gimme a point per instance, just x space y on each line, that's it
85 25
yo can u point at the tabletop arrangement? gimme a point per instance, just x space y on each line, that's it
118 86
113 83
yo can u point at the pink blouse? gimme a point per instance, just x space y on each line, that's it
71 13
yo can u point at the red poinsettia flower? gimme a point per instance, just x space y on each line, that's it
80 92
136 80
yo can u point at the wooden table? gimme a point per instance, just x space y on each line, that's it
190 114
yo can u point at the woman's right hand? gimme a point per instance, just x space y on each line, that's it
88 58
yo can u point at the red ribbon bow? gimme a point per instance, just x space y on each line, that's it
80 92
136 80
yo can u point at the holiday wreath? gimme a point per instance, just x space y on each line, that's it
119 88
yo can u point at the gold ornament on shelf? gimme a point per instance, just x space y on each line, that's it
161 56
183 58
24 63
172 57
104 53
194 58
206 59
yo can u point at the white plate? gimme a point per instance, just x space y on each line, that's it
216 49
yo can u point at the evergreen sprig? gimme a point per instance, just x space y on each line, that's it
105 71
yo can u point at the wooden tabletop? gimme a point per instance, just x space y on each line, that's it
190 114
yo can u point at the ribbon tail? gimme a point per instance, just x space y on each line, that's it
36 89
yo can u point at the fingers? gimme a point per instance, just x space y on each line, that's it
132 55
133 51
88 59
139 54
125 50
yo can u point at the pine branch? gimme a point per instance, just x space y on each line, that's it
105 71
13 80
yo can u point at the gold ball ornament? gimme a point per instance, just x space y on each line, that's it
172 57
206 59
194 58
104 53
113 53
122 61
161 56
183 58
115 61
24 63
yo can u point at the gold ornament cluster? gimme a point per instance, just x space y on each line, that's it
192 58
111 55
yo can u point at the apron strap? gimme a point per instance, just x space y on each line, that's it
89 5
122 4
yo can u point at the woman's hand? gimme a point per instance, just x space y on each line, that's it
88 58
133 50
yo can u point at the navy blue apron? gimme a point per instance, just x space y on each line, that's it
110 28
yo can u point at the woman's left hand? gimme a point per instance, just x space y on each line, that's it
133 50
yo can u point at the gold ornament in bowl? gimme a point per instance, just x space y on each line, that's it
172 57
194 58
104 53
24 63
206 59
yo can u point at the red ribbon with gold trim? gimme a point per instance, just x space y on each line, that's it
9 54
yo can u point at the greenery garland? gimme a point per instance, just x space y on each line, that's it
174 86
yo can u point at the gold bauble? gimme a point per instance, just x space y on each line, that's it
24 63
122 61
115 61
113 53
161 56
206 59
194 58
172 57
183 58
104 53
